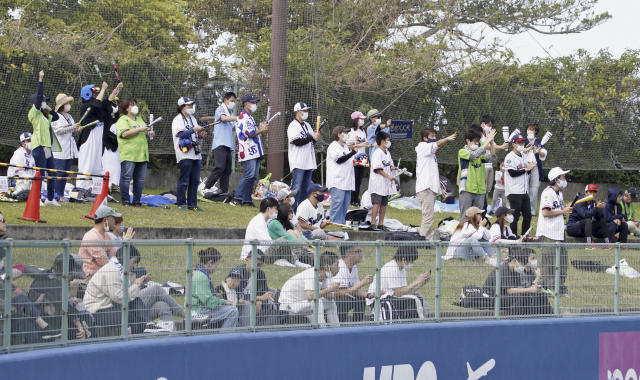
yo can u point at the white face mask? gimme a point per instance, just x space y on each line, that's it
273 215
531 135
533 264
115 109
378 121
327 274
44 106
231 105
520 148
67 107
487 129
360 122
562 183
191 111
388 144
473 147
253 107
134 110
409 266
106 227
509 218
305 115
519 269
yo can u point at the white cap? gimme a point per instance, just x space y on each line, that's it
556 172
184 100
301 107
25 136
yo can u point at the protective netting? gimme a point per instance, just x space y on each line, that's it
200 49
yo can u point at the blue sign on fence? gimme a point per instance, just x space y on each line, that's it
401 129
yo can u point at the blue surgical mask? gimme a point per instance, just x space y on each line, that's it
432 140
320 197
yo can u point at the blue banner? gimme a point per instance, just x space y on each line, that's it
401 129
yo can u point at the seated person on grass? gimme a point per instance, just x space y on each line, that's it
351 294
311 214
588 219
627 210
615 217
282 228
258 229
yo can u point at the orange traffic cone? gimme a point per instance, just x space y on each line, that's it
32 209
100 198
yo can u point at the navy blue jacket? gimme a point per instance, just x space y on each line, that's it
613 209
586 210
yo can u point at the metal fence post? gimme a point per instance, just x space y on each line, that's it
438 279
556 300
254 283
316 282
188 287
616 300
376 316
498 298
124 321
64 282
233 156
8 263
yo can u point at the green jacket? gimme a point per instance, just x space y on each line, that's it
627 210
42 131
201 295
276 231
471 171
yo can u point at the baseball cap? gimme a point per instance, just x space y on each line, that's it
357 115
556 172
184 101
104 211
502 211
591 187
518 138
235 273
250 98
373 112
284 193
471 211
301 107
25 136
315 187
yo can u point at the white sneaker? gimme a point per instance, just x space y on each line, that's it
155 328
167 325
197 317
52 202
493 261
627 271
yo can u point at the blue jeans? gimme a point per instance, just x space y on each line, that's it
300 180
248 180
473 251
62 164
41 161
136 171
340 200
188 181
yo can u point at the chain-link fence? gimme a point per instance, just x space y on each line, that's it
68 292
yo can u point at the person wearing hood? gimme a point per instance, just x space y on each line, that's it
615 217
64 128
110 153
43 140
587 218
90 142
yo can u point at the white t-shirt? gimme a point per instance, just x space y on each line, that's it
22 158
552 227
347 278
377 183
515 185
341 176
358 136
310 214
295 289
391 277
496 234
467 231
179 124
257 229
427 175
301 157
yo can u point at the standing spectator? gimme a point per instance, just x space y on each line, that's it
588 219
550 229
471 172
203 297
43 141
206 98
311 215
302 154
64 128
186 142
535 154
350 295
249 150
375 119
94 256
134 151
380 180
22 156
428 177
358 138
297 295
615 216
487 123
223 145
498 190
516 183
629 215
472 232
111 154
396 290
340 175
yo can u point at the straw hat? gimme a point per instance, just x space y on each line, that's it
61 100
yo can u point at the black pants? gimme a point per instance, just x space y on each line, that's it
526 304
522 205
222 168
587 228
347 303
355 194
622 230
107 321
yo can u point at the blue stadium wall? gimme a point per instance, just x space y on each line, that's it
580 348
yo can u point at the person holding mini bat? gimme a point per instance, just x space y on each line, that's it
587 219
64 128
536 154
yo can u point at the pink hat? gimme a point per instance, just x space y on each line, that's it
357 115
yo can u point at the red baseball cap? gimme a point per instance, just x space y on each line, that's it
591 187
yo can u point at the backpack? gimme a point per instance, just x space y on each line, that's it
475 298
403 236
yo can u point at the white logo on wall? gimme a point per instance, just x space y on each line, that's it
427 372
617 375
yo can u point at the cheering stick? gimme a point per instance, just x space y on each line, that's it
513 134
268 117
505 133
90 124
545 138
318 122
582 200
273 117
98 71
85 115
150 125
575 199
117 69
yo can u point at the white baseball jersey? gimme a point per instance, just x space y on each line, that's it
519 184
552 227
301 157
